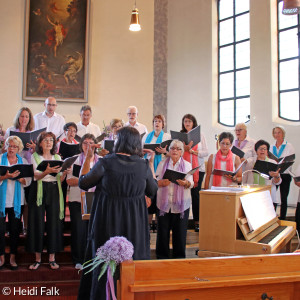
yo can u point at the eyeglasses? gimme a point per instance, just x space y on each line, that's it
225 144
71 131
51 104
117 127
13 146
48 140
262 149
238 130
175 148
88 143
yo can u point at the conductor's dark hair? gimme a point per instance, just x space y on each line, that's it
41 137
87 136
226 135
129 142
70 124
190 117
261 143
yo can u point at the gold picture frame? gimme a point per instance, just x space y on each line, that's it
56 50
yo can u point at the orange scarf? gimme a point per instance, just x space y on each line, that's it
194 162
229 166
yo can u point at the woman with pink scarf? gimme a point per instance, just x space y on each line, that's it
173 203
224 159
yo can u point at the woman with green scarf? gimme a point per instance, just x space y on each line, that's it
46 197
262 148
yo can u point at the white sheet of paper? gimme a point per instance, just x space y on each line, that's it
258 208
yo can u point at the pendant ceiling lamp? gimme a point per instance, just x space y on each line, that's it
291 7
135 21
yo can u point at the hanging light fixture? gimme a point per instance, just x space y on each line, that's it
291 7
135 22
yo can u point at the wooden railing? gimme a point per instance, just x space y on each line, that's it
247 277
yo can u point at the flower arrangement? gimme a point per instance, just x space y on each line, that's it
116 250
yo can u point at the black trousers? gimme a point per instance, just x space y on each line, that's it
79 230
297 217
14 225
165 224
36 220
195 197
284 192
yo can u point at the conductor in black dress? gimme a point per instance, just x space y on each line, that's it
122 180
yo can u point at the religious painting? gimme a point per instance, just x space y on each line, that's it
56 50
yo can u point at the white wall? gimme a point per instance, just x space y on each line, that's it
120 68
192 71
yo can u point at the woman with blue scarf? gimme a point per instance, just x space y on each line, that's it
156 136
282 148
11 199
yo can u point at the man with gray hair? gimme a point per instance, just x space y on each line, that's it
132 113
85 126
49 118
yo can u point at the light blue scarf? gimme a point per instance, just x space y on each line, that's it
282 147
17 193
148 140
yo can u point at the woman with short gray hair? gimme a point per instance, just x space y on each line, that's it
173 203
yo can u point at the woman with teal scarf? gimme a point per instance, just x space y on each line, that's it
11 199
261 148
156 136
281 148
45 197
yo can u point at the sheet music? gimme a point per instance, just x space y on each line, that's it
258 208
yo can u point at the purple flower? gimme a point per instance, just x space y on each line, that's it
117 249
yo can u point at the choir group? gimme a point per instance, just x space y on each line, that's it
30 199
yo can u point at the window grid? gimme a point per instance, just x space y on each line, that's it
234 70
283 107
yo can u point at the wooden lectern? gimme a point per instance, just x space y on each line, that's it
220 233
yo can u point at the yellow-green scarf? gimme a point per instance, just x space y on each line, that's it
39 199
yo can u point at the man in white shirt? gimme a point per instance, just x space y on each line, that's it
49 118
85 126
132 113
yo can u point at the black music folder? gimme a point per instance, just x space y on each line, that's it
109 145
67 150
26 170
265 166
101 137
76 170
27 137
282 159
175 175
296 178
237 151
225 172
154 146
193 135
64 164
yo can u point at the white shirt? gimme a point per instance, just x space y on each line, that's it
297 173
248 149
186 193
75 192
288 150
54 124
249 178
90 128
141 128
10 191
47 178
